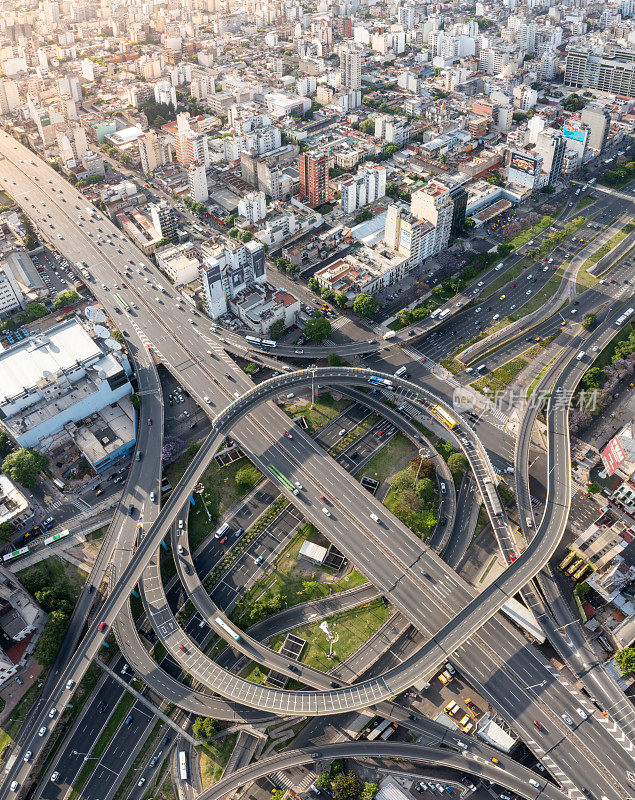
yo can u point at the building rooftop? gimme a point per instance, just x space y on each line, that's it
45 357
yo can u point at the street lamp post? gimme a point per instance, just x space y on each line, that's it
86 756
536 686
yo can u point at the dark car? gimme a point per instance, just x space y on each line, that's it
293 668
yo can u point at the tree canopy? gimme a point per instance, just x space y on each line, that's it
318 328
625 659
24 465
365 304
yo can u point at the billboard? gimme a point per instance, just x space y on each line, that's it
526 164
613 455
574 133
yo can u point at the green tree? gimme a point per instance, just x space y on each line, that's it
233 232
205 727
469 223
247 477
163 241
589 321
346 786
323 781
368 127
5 531
245 236
625 660
328 295
334 360
365 304
31 241
51 638
404 317
313 285
229 220
65 299
23 466
5 444
341 299
594 488
318 328
594 378
118 337
426 489
369 791
363 216
36 310
277 329
457 463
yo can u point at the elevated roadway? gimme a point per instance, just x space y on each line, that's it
102 263
506 773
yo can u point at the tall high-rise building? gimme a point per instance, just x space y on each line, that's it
551 146
228 271
164 219
351 65
154 150
598 121
197 148
314 177
197 183
9 96
406 16
458 193
433 203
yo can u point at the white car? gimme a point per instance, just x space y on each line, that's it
326 511
55 776
27 756
141 781
52 712
511 308
299 485
478 310
567 719
528 292
42 731
581 713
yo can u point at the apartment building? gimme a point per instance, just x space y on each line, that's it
613 72
366 186
314 177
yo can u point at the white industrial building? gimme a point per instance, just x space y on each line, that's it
57 378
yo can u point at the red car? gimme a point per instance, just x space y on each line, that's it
223 540
323 498
182 646
381 432
288 435
489 308
149 422
514 285
512 557
539 725
102 627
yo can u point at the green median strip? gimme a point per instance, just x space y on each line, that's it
584 278
353 435
131 777
117 717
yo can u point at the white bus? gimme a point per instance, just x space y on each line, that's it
182 765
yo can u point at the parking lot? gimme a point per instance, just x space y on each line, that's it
54 271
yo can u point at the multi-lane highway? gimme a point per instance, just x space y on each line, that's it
163 341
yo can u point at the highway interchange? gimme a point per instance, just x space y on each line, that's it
194 368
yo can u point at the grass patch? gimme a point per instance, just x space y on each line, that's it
584 279
96 536
214 757
542 296
500 378
354 627
385 463
53 572
6 199
166 790
291 582
220 493
353 435
10 728
117 717
586 201
326 408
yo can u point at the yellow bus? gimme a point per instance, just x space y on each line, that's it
444 417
